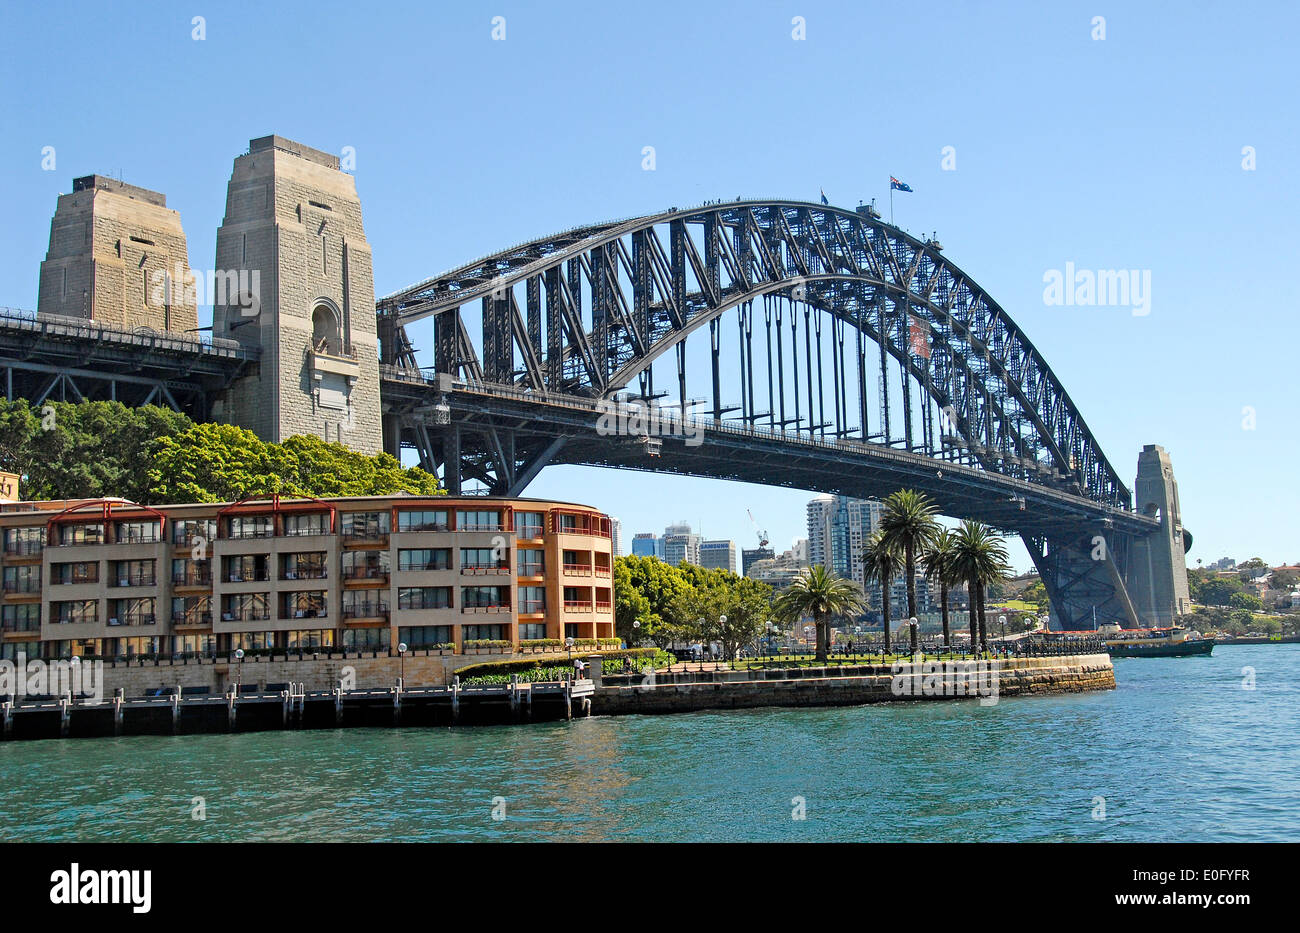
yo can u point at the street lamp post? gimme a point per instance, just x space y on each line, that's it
239 668
401 655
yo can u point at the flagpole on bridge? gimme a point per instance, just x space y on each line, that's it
891 200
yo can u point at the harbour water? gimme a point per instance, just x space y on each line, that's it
1181 751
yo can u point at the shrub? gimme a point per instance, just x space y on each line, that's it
520 665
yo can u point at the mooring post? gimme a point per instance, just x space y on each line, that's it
119 698
338 706
232 701
455 699
397 702
514 697
530 702
8 709
285 700
568 697
176 712
65 714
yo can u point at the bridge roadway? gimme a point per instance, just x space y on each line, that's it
733 450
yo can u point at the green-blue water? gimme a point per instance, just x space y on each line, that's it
1180 752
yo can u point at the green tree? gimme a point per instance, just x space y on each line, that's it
821 594
937 560
979 558
218 463
661 614
881 561
1219 591
325 470
1246 601
908 525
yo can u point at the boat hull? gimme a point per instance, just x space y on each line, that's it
1182 649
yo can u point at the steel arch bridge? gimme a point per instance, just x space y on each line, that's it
862 358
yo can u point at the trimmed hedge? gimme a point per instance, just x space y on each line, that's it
520 665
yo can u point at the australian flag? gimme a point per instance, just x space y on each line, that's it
896 185
824 201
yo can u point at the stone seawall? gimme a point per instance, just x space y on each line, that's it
1002 678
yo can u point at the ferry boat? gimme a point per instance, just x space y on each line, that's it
1172 642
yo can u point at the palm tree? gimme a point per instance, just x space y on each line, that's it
937 562
979 558
881 560
908 525
822 594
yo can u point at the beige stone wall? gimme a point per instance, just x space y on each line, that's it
118 255
295 218
320 673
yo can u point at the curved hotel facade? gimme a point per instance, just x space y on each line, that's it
111 578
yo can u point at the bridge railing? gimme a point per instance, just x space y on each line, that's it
58 325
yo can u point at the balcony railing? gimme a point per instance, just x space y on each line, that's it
21 625
365 573
255 577
22 586
421 568
307 612
603 606
141 618
24 548
580 570
531 570
134 579
577 605
499 607
192 579
424 526
191 618
484 569
245 533
378 610
312 574
246 615
532 605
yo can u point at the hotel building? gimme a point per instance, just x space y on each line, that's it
110 578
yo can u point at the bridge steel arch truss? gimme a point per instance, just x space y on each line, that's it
900 350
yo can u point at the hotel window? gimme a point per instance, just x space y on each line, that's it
532 599
188 531
136 532
81 534
24 541
139 611
365 565
532 562
192 610
364 604
22 579
252 641
424 597
484 597
203 644
304 605
438 558
478 521
568 522
74 611
366 639
484 558
366 524
316 523
21 617
577 598
245 607
245 568
251 526
312 565
425 636
427 520
310 639
483 632
131 573
78 572
530 524
191 572
532 631
10 650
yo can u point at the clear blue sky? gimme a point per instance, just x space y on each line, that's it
1124 153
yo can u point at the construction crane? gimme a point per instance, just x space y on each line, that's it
762 535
